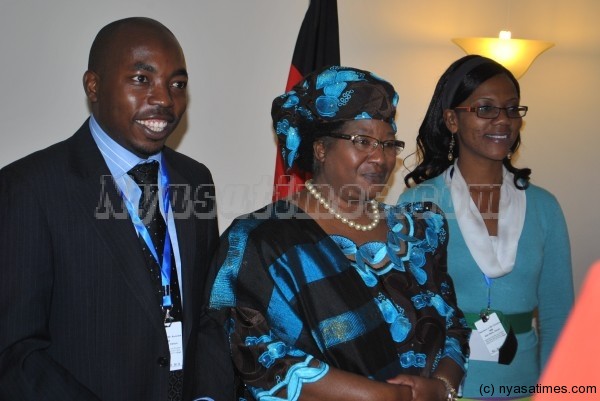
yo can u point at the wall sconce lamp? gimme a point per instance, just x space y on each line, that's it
514 54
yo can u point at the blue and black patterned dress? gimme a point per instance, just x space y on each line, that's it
296 300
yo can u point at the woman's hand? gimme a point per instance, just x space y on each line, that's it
340 385
423 389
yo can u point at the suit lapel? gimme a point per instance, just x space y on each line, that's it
102 208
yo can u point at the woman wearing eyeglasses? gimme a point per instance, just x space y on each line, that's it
508 252
328 294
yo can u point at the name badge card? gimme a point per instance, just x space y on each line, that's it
175 337
479 351
492 332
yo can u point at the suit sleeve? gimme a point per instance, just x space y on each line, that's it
27 371
208 370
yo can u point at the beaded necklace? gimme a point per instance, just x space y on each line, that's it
332 210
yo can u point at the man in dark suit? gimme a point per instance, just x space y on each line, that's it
90 306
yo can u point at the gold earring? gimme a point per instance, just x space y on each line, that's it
509 155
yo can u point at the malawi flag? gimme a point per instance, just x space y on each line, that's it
318 45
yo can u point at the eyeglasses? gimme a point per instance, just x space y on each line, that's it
368 144
492 112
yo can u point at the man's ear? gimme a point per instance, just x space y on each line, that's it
451 120
90 85
319 150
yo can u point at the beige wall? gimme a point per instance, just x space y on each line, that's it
238 54
409 43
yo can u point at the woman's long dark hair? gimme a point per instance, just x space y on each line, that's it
433 141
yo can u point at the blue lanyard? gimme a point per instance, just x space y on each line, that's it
165 266
488 283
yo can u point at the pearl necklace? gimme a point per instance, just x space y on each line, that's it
329 207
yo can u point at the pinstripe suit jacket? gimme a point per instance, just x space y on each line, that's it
78 316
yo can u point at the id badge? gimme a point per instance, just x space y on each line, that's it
175 337
492 333
478 349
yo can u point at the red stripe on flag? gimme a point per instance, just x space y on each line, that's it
293 78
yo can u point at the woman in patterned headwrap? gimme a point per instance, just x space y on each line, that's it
330 295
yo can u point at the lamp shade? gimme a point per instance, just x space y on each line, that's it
514 54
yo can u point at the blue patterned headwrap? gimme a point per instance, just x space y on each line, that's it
331 94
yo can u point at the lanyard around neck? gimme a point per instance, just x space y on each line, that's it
165 266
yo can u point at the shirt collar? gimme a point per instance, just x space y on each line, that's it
118 159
